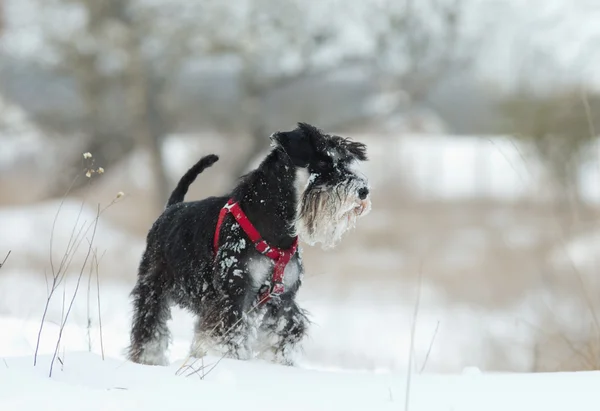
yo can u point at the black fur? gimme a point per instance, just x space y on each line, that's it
188 178
179 266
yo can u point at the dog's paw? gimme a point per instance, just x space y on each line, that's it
150 359
285 356
238 352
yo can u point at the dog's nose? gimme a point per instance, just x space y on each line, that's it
363 193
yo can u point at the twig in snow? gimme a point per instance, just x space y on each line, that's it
62 327
96 265
57 275
592 358
75 240
437 327
412 339
89 289
5 258
89 318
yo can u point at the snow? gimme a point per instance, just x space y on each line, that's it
86 381
366 331
356 355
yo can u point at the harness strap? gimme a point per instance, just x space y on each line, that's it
281 257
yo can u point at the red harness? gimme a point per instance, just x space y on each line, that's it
281 257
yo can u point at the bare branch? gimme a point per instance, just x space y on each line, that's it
64 321
437 327
5 258
412 338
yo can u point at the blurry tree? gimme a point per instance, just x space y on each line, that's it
418 44
277 43
134 51
559 125
124 56
1 17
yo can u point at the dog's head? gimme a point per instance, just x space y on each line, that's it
336 193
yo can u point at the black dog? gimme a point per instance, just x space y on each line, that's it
233 261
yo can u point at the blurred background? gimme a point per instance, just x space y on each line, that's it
481 119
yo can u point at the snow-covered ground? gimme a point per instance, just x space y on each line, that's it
366 329
353 334
356 357
84 381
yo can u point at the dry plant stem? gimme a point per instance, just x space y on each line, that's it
592 130
93 266
576 351
58 276
412 339
62 306
588 300
96 266
508 161
569 343
89 251
55 219
64 356
588 113
5 258
89 318
437 327
47 283
99 309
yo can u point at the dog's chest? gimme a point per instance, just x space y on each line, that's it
261 270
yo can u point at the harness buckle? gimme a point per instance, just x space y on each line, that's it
262 246
277 288
267 292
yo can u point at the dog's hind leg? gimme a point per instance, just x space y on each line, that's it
149 334
284 326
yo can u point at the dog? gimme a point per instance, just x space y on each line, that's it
234 261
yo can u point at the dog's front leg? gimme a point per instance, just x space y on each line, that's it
284 327
224 322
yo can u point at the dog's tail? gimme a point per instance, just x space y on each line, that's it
188 178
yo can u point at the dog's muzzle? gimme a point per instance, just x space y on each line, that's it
364 204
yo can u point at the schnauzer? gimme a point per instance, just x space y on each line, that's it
233 261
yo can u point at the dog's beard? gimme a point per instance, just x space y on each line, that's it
326 213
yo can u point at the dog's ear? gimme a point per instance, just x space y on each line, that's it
359 150
316 136
300 144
